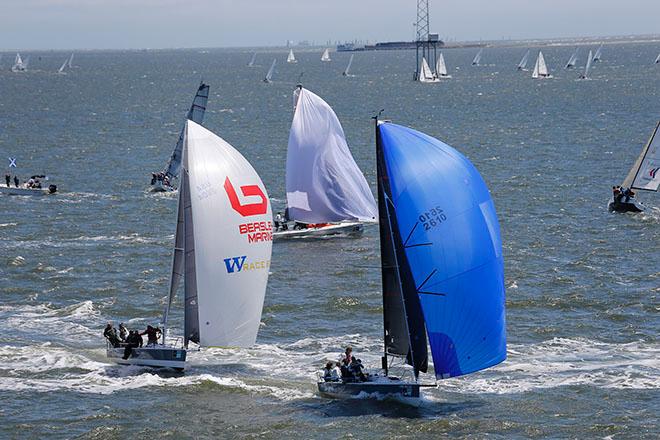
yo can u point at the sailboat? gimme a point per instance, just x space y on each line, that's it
643 176
326 56
19 64
254 58
442 266
441 68
163 181
63 66
540 68
70 63
585 75
425 74
523 62
326 192
348 67
572 61
224 268
477 57
291 58
598 54
269 75
657 60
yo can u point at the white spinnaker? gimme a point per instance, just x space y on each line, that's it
645 174
326 55
323 182
440 66
229 303
426 75
291 58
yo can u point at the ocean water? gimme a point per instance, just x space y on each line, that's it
582 283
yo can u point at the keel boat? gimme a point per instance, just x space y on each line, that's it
442 267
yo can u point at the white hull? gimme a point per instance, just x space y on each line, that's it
23 191
347 228
158 356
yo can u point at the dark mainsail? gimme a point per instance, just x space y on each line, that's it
191 318
403 321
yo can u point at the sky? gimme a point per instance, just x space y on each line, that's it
126 24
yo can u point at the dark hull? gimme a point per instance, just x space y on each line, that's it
394 388
631 206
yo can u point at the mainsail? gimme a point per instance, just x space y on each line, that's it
70 62
448 250
348 67
585 75
291 58
254 57
657 60
572 61
645 174
323 182
326 55
540 68
196 114
440 66
477 57
599 53
269 75
227 244
426 75
64 65
523 62
19 64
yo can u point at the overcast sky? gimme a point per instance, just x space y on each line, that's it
73 24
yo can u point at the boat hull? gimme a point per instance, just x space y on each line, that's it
344 229
158 356
22 191
633 205
159 187
380 388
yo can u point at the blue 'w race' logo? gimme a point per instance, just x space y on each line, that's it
235 264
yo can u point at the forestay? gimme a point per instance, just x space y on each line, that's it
323 182
451 240
231 235
645 174
196 114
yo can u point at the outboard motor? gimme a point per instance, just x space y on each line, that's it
52 188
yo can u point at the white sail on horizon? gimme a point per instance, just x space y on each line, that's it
70 62
254 57
585 75
425 74
598 53
19 64
323 182
269 74
64 65
572 61
441 67
291 58
523 62
326 55
540 68
348 67
477 57
657 60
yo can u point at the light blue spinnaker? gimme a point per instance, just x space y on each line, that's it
448 229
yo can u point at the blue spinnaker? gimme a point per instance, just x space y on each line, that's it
451 238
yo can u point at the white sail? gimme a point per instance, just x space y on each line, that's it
323 182
598 53
61 69
540 68
645 174
425 74
523 62
441 67
251 63
657 60
585 75
232 238
269 74
326 55
291 58
19 64
572 61
348 67
477 57
70 62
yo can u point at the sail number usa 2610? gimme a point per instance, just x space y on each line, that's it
432 218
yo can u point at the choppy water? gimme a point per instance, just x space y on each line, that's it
582 284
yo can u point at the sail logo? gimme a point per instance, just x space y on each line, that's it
257 231
653 172
239 264
248 209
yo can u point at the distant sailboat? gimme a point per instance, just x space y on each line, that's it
348 67
572 61
64 66
163 181
291 58
442 267
269 75
598 54
540 68
326 192
643 176
441 68
251 63
425 74
326 56
70 62
657 60
477 57
585 75
523 62
224 268
19 64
